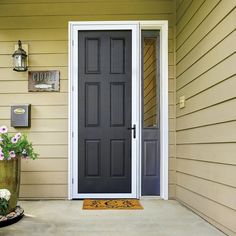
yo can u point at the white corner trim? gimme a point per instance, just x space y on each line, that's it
163 27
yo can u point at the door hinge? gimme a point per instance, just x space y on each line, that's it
72 180
72 134
73 43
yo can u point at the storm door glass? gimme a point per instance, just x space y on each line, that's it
150 83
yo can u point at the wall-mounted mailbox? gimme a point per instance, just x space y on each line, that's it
21 116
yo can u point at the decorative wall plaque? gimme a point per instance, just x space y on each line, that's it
44 81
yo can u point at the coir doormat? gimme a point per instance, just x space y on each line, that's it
112 204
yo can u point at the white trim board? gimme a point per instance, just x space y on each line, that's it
136 27
163 27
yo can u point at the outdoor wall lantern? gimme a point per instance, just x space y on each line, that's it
20 59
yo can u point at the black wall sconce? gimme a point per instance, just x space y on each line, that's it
20 59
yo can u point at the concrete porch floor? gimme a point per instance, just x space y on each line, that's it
62 218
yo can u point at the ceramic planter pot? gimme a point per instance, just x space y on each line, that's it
10 179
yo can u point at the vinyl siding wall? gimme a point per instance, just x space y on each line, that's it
43 25
206 127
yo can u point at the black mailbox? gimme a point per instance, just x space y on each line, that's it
21 116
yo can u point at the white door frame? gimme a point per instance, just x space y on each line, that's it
135 27
164 127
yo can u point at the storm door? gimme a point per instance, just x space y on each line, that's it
104 112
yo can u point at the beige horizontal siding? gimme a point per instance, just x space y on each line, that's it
7 74
210 97
38 47
220 215
213 33
43 191
52 151
44 165
227 231
64 1
172 163
22 86
171 72
43 125
211 115
37 22
71 1
216 153
185 13
217 133
40 112
212 77
171 85
40 60
43 25
171 150
171 111
42 34
172 124
213 57
221 173
219 193
49 138
171 137
221 9
214 38
172 192
84 8
205 127
39 178
178 4
35 99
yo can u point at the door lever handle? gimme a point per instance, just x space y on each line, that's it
134 129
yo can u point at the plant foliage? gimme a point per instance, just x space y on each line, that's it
13 146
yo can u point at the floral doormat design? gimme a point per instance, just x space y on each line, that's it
112 204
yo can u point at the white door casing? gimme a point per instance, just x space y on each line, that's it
135 27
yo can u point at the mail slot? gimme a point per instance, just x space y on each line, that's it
21 116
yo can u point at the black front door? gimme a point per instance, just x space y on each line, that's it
104 111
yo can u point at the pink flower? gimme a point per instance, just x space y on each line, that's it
14 140
12 154
1 156
3 129
18 135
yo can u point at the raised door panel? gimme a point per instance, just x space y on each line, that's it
92 158
92 104
117 61
117 155
92 55
117 101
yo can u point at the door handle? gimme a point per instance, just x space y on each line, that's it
134 129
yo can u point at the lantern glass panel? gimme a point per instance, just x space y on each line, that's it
20 63
18 59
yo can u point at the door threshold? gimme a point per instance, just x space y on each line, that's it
150 198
